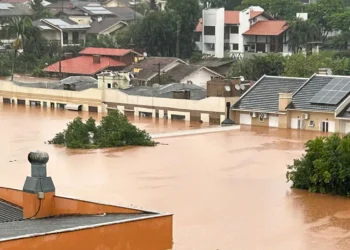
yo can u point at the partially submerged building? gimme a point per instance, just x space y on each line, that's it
35 218
318 103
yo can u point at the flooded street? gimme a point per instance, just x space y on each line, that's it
226 190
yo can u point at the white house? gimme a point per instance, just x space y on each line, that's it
223 33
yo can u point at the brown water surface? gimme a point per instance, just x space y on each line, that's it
227 190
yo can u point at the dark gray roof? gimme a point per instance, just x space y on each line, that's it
166 91
97 27
68 12
214 62
181 71
81 82
18 9
68 4
345 113
264 95
301 99
150 66
124 13
9 212
12 229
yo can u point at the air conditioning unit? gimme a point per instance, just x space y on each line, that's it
306 116
253 114
266 116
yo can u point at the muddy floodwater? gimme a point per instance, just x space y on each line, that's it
226 190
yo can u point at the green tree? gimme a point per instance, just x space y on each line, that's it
39 11
300 34
255 67
299 65
279 9
103 41
113 131
325 166
325 15
227 4
144 8
18 25
188 13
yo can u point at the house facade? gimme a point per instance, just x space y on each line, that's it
63 32
318 103
236 34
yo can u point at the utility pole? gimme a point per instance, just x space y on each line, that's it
178 24
159 78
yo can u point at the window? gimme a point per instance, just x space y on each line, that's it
109 85
65 38
234 29
75 37
311 124
209 30
261 118
234 46
227 47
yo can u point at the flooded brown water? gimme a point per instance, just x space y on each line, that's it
227 190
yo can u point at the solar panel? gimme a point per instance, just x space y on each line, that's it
44 27
8 5
57 22
333 92
3 7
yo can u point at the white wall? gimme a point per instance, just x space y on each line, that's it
199 78
219 33
80 19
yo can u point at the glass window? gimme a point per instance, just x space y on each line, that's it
234 29
209 30
75 37
234 46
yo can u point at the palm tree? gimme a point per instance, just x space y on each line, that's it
19 26
301 33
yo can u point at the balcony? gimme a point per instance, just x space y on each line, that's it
66 43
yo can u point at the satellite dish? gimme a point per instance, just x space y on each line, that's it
237 87
242 78
145 54
228 88
329 72
131 75
189 82
242 87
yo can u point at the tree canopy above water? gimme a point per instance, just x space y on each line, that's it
325 167
114 131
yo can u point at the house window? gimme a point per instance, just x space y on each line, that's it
311 124
324 126
209 30
109 85
227 47
234 29
234 46
261 118
65 38
75 37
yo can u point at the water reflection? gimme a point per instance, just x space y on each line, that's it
227 190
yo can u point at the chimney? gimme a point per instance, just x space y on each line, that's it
284 100
96 59
68 55
38 189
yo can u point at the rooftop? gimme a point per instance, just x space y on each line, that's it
150 66
182 71
166 91
214 62
107 52
302 98
83 65
124 13
50 23
14 9
97 27
30 228
232 17
267 28
9 212
264 95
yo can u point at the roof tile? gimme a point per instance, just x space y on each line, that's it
107 52
267 28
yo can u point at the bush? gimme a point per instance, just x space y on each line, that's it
114 131
324 168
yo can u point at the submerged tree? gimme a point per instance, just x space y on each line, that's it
114 131
325 166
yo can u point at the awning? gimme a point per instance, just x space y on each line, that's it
75 107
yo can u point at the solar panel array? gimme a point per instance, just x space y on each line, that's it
97 10
333 92
57 22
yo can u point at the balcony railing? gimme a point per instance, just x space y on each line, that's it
79 42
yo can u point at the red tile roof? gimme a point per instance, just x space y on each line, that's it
255 14
83 65
199 27
267 28
231 17
107 52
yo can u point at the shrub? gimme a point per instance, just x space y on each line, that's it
114 131
324 168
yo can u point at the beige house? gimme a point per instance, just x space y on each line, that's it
320 103
64 32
